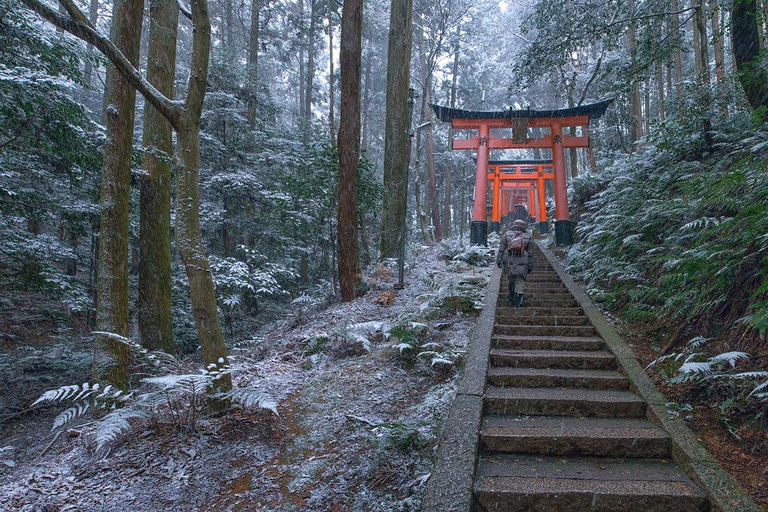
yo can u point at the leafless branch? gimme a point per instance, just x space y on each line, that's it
85 31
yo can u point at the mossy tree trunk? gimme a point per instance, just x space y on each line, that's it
155 283
184 116
112 285
396 124
747 55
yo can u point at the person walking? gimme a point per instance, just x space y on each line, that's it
516 258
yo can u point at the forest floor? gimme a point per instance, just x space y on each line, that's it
742 449
356 430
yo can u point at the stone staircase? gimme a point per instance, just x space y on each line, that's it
561 430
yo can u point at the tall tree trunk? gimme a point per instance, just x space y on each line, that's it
701 29
636 123
185 119
349 145
366 99
447 206
229 51
696 39
302 84
717 38
253 62
120 98
331 78
677 56
155 310
93 16
660 89
746 53
396 124
426 114
307 121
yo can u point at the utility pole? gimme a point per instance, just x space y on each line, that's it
403 223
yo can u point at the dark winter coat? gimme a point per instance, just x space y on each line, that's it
515 264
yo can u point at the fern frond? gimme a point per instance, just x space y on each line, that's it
251 397
115 423
70 414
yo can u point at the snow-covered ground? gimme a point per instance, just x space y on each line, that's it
362 389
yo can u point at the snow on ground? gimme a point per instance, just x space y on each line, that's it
362 391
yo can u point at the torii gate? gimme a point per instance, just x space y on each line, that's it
519 121
529 172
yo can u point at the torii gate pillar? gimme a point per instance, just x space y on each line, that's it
496 211
542 218
563 233
478 230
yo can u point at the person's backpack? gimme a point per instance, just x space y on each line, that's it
516 244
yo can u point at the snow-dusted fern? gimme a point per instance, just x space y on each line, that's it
183 398
692 366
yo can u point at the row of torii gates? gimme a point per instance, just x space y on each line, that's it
521 181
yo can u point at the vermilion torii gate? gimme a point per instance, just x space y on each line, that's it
530 173
519 121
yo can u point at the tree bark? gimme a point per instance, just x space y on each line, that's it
155 283
396 124
93 16
426 114
253 63
185 119
700 20
331 78
112 287
636 123
349 145
677 56
447 205
717 38
660 89
746 52
366 99
307 121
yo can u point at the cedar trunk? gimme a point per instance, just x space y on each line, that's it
746 53
253 63
112 285
396 124
155 284
349 145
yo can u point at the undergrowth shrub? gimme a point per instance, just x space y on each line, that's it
181 399
678 239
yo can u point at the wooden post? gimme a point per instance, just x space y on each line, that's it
496 211
563 235
542 218
478 234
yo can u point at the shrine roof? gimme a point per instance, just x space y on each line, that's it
593 110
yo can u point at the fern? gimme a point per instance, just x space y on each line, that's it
115 423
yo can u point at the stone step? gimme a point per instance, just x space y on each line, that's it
599 437
537 301
553 320
564 359
537 288
513 483
545 330
503 309
556 378
546 342
593 403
